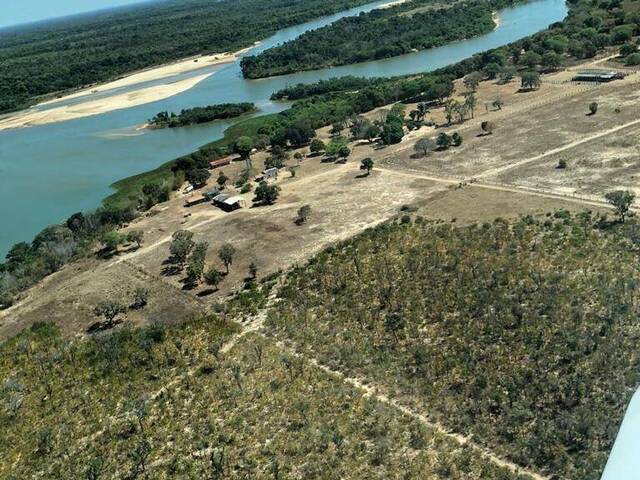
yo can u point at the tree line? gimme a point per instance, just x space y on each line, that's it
194 116
72 53
379 34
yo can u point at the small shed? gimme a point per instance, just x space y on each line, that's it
597 76
211 194
195 200
221 162
267 174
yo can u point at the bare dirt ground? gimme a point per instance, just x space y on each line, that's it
515 172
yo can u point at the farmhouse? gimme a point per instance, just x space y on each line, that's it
597 76
229 202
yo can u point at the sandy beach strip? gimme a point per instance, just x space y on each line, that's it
134 98
154 73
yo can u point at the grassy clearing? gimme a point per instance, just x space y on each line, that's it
523 334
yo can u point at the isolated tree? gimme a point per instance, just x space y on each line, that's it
298 156
181 245
222 180
303 214
135 236
530 80
621 201
226 253
253 268
195 265
450 109
317 146
456 139
267 194
111 240
487 127
140 298
109 309
506 75
472 81
367 164
470 102
562 164
443 141
424 146
213 277
498 103
344 152
593 108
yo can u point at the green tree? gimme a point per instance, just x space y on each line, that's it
111 240
222 180
267 194
253 269
181 246
226 254
530 80
456 139
344 152
593 108
243 147
424 146
621 201
367 164
317 146
443 141
109 309
135 236
394 323
472 81
303 214
213 277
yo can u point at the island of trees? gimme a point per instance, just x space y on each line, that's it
381 33
193 116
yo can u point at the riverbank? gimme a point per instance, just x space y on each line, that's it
33 117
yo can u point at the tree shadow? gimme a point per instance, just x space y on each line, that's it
206 292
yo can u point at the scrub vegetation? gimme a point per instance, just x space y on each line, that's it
45 59
178 402
522 333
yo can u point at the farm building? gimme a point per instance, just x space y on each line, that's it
229 202
268 174
211 194
221 162
195 200
597 76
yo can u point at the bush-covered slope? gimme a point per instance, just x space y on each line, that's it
166 402
524 334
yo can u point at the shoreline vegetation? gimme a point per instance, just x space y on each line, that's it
198 115
571 39
400 29
66 55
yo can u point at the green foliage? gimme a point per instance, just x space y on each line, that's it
367 165
267 194
197 115
76 52
317 146
304 212
530 80
350 39
621 201
181 246
522 334
226 254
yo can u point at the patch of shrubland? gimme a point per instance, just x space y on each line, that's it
165 401
523 333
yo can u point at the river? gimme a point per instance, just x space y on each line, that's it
51 171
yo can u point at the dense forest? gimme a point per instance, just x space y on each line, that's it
194 116
521 333
67 54
378 34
